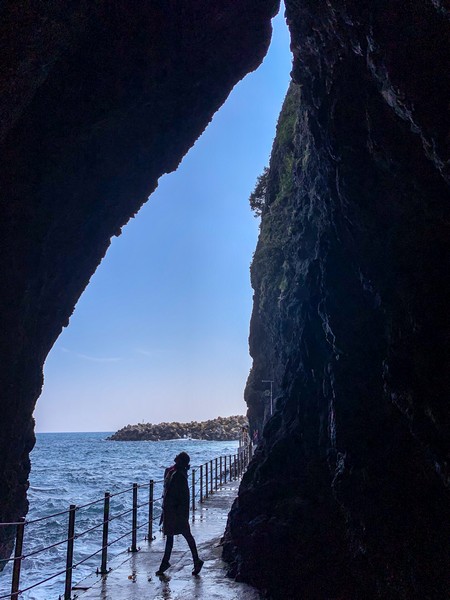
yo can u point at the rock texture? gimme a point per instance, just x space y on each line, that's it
220 429
348 494
97 100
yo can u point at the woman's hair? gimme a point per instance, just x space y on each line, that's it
183 459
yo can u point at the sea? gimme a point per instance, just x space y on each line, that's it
78 468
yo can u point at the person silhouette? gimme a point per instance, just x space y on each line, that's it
175 511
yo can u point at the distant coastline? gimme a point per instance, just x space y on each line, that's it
222 429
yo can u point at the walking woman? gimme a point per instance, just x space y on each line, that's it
175 515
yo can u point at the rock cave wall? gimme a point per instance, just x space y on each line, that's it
348 494
97 101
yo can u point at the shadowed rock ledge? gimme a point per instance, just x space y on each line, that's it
97 101
348 494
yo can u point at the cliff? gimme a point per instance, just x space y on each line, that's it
348 494
220 429
98 100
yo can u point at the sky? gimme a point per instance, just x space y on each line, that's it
161 332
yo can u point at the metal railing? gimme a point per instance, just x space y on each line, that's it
205 480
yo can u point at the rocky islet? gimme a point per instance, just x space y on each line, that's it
221 429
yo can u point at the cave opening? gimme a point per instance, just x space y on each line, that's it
164 320
184 263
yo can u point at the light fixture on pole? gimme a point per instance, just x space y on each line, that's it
271 393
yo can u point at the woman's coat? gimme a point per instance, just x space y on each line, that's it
176 501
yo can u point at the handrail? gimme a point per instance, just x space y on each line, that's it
121 492
125 512
24 556
78 535
119 538
205 481
58 514
30 587
90 503
87 558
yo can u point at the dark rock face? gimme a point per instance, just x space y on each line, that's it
98 99
348 495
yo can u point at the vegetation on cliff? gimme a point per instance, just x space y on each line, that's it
220 429
276 182
257 198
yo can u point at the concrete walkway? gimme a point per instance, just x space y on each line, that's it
133 575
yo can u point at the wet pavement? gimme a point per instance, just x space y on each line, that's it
133 575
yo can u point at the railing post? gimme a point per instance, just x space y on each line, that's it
235 467
201 483
211 491
103 569
207 481
225 470
134 521
220 473
231 473
193 492
150 510
17 559
69 559
216 460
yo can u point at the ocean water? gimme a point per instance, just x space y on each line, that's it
77 468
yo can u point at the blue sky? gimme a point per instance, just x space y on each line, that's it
161 332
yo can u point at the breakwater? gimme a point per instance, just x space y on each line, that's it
221 429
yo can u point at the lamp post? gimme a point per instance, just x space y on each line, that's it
271 393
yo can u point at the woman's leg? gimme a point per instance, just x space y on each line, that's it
198 563
168 549
191 543
167 552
